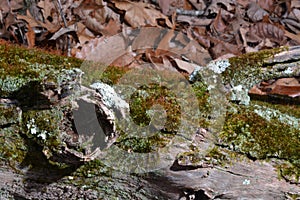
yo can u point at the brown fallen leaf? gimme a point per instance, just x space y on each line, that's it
164 6
268 5
185 66
218 24
51 27
284 86
263 30
84 34
292 36
256 13
98 17
139 14
30 36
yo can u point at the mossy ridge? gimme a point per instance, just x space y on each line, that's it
246 69
289 109
20 66
95 72
16 60
246 132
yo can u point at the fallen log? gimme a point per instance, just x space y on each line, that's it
242 148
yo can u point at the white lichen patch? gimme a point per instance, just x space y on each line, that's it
240 94
269 114
11 84
195 75
219 66
109 97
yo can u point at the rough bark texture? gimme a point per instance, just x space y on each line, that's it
44 157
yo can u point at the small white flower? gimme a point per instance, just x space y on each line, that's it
246 182
43 135
33 130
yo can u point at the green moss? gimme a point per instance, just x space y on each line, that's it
246 69
248 133
98 72
20 66
43 126
143 99
94 168
16 60
293 196
202 94
96 176
219 156
147 96
9 115
141 102
12 148
143 145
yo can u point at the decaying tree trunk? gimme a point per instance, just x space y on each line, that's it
44 155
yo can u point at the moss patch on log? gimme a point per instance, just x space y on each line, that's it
250 134
246 69
20 66
143 99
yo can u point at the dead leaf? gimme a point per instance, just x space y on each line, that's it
141 14
84 34
124 60
221 48
268 5
151 33
295 4
185 66
218 23
201 36
198 4
61 32
7 6
214 7
262 30
51 27
284 86
292 36
164 6
48 8
256 13
194 21
30 35
104 49
97 17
